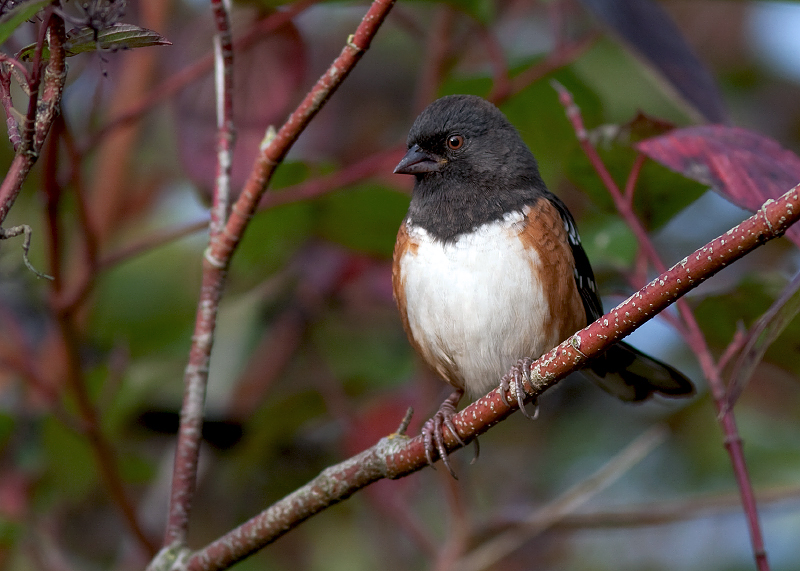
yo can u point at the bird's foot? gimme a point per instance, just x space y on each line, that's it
433 431
520 371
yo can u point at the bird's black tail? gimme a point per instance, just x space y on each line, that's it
630 375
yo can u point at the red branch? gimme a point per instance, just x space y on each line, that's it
691 332
41 113
217 259
397 455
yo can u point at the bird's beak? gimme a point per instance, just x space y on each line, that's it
417 161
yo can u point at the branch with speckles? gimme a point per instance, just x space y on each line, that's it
398 455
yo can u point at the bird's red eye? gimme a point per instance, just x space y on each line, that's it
455 142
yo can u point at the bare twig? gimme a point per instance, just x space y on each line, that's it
90 426
226 135
501 82
15 231
437 45
218 256
382 161
551 63
201 67
661 513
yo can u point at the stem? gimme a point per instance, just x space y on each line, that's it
41 113
90 425
692 332
226 135
218 256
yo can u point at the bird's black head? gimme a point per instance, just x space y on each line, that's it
470 164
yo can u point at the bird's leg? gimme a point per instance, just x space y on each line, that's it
519 371
433 430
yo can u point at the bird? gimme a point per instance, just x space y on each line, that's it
488 266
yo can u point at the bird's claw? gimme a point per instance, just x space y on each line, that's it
520 371
433 431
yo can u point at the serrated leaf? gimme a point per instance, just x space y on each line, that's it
117 36
15 17
114 37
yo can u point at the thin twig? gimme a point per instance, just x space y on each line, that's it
663 513
226 134
40 112
90 426
12 124
382 161
504 544
15 231
551 63
437 45
501 81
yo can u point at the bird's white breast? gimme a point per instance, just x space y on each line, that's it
476 305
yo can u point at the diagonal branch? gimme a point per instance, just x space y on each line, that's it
218 256
397 455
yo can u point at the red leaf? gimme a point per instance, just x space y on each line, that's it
743 166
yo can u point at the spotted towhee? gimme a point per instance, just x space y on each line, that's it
489 267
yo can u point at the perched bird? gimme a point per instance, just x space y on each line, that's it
488 265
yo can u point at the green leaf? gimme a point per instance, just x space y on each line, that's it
271 239
765 331
625 85
15 17
608 241
720 316
364 218
117 36
132 297
382 359
660 194
71 468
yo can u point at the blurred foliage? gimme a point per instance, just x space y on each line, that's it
310 362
